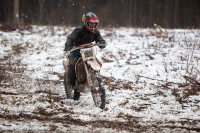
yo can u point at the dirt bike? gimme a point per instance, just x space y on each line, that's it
87 70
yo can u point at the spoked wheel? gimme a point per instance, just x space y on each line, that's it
98 92
70 92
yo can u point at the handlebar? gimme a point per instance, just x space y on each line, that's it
86 45
83 46
91 44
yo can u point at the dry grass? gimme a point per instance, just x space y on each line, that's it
14 26
114 84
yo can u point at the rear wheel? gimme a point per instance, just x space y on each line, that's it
98 91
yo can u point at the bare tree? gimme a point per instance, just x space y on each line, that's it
130 12
16 12
41 6
175 12
134 12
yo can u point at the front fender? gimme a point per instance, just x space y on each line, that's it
94 64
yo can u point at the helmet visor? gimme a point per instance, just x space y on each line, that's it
94 20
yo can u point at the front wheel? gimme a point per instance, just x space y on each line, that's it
98 91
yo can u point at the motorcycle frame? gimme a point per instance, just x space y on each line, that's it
88 75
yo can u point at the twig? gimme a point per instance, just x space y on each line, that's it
159 80
161 29
191 80
190 60
37 80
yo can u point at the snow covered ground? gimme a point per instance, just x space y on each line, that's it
151 82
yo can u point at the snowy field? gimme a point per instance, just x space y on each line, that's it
152 82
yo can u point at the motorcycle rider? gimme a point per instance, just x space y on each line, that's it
88 33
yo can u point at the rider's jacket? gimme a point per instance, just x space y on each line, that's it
82 35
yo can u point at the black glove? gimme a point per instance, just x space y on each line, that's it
67 48
101 44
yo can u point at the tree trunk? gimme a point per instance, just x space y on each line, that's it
16 12
175 13
135 13
130 12
41 3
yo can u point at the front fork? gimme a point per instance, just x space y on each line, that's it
89 80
